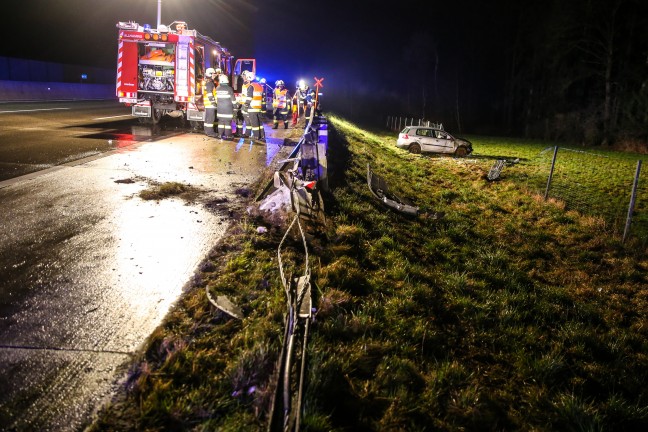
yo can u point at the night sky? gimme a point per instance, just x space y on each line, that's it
507 63
341 40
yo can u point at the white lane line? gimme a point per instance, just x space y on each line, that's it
104 118
32 110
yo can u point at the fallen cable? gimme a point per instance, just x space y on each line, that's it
295 296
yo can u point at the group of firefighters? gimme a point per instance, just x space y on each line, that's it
220 104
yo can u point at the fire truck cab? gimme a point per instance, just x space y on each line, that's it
160 71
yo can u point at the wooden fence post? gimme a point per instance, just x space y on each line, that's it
633 198
553 163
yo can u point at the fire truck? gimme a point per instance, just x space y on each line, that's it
160 71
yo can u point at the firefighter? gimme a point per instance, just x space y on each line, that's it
209 99
295 106
306 98
253 101
280 104
238 130
244 105
225 102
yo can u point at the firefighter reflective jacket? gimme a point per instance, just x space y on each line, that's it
257 96
225 98
280 96
209 94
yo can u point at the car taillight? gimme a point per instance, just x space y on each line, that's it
405 136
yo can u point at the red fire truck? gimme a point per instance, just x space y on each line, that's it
160 71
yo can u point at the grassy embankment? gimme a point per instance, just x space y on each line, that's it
507 314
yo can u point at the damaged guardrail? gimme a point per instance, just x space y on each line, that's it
302 175
297 325
297 185
380 190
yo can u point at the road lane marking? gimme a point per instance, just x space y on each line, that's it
32 110
117 116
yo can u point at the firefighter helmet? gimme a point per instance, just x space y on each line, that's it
223 79
279 83
210 71
247 75
219 71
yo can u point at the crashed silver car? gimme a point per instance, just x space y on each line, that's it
422 139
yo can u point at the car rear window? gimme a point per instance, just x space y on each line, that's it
406 130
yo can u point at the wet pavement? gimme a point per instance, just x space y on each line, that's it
89 269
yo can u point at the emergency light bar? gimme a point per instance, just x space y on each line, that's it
156 37
130 25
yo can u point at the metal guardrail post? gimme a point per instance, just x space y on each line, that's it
322 153
553 163
633 198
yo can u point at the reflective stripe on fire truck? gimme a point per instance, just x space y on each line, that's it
185 78
120 54
126 82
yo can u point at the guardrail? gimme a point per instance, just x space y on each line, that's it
302 176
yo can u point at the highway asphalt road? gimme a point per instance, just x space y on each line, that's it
88 269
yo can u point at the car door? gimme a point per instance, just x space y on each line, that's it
428 142
443 141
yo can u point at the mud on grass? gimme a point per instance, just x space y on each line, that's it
232 207
507 314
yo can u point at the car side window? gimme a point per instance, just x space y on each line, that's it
423 132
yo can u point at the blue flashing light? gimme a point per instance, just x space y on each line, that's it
147 27
263 80
84 76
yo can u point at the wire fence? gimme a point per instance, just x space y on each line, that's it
396 123
597 184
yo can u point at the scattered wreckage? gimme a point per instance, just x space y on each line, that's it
496 170
380 190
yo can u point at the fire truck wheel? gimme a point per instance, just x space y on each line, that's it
156 115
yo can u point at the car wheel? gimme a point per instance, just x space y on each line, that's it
461 152
415 148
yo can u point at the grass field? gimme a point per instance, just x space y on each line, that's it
509 313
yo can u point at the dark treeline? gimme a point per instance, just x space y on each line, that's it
572 70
